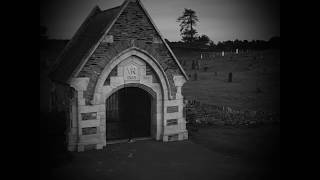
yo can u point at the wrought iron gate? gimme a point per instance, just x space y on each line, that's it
128 114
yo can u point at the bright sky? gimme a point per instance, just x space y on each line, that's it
221 20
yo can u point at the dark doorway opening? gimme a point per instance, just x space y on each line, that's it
128 114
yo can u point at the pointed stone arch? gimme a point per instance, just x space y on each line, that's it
157 107
160 92
132 52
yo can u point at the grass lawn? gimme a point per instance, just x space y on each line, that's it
211 153
250 71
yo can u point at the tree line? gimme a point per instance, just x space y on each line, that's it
190 38
272 43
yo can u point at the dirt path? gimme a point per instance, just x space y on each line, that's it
215 153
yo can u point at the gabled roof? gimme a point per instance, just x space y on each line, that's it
85 38
88 37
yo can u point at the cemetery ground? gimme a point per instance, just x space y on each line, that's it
255 79
210 153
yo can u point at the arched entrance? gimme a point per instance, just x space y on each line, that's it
131 83
149 78
128 114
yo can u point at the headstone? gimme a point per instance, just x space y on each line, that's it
222 54
230 77
258 90
198 64
193 65
237 51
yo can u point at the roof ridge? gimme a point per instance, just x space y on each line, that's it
122 7
162 38
110 9
88 37
82 62
95 10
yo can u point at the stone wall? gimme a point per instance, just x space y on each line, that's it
204 114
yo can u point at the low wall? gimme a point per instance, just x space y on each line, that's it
198 114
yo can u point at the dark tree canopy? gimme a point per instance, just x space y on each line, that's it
203 40
188 20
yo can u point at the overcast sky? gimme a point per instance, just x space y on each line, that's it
221 20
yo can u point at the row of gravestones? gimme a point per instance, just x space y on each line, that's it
195 76
196 64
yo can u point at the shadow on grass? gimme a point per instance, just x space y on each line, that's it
257 147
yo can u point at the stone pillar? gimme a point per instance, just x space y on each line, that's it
80 85
174 122
72 130
81 141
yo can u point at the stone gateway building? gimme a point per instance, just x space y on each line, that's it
120 80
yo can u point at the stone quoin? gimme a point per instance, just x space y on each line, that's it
122 78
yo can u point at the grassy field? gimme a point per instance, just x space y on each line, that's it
251 71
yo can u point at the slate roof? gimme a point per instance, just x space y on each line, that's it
85 39
87 36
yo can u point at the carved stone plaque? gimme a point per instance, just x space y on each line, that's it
131 72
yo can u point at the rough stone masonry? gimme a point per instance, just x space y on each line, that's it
114 49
